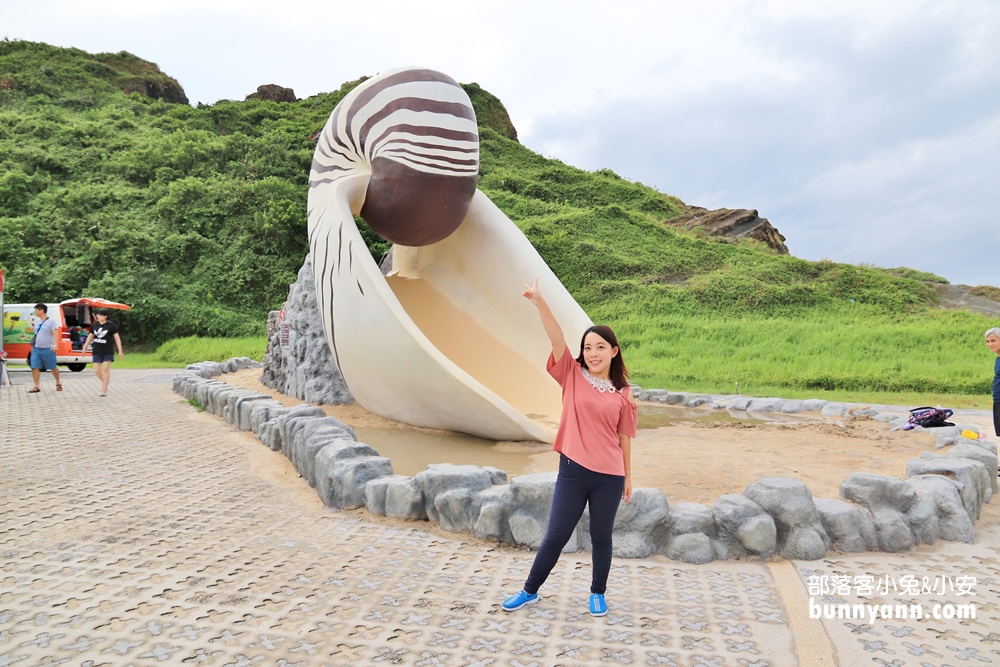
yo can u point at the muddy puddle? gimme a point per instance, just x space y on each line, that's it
412 451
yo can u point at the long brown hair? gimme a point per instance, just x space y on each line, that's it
618 374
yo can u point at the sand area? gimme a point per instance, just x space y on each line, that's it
690 461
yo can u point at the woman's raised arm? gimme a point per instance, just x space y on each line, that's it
552 327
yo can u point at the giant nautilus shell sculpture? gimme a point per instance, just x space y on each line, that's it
444 339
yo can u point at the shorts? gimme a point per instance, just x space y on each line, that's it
100 358
42 359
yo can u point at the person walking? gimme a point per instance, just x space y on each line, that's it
594 439
102 333
43 348
993 341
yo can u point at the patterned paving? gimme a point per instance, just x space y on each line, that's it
135 531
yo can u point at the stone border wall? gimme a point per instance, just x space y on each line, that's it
940 499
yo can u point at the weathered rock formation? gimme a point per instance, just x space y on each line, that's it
168 91
274 93
303 367
983 299
734 223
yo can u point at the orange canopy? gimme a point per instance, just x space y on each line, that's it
96 303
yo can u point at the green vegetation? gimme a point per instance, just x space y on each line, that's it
183 351
196 217
193 402
180 352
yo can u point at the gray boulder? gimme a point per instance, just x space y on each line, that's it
974 453
788 501
493 522
531 502
405 500
527 530
263 411
231 412
953 519
675 398
791 407
640 526
375 493
244 411
765 405
743 527
945 436
981 444
533 494
971 474
497 476
651 394
885 418
693 548
739 403
888 500
457 510
695 401
923 520
310 429
341 482
833 410
333 447
299 418
442 477
272 432
813 405
686 518
689 527
850 527
305 368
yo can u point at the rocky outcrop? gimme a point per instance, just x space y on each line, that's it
490 111
733 223
168 91
983 299
274 93
303 366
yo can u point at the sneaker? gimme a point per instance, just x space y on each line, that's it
515 602
598 607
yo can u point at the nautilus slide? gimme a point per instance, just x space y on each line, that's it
445 339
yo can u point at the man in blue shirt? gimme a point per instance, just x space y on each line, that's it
43 350
993 340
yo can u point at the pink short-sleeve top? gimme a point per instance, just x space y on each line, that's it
592 417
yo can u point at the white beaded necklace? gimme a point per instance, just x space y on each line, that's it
597 383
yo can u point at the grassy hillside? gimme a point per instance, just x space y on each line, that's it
110 185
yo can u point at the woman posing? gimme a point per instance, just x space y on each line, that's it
594 438
104 335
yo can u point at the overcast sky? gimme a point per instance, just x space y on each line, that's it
865 132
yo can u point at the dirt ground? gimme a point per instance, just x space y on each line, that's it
699 461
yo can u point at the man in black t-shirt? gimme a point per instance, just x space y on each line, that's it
104 335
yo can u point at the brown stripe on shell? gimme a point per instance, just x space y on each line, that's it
443 158
406 76
424 131
415 104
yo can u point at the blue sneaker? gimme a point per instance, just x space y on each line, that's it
598 607
515 602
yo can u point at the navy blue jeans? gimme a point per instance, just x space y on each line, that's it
577 486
